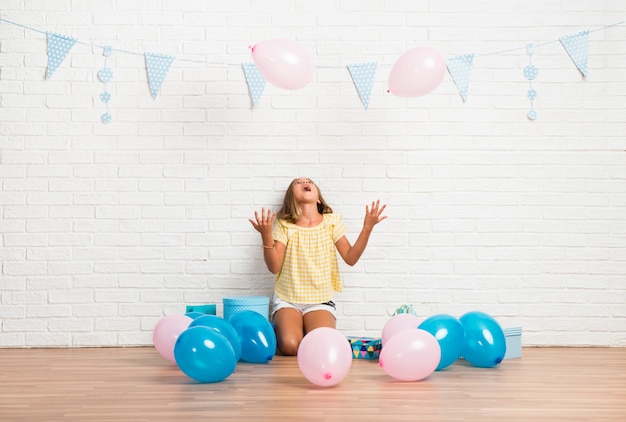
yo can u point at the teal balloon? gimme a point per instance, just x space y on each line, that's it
485 343
258 340
204 355
449 334
223 327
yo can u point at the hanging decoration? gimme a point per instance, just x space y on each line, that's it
530 73
286 64
58 48
459 68
363 78
256 82
157 66
105 75
576 47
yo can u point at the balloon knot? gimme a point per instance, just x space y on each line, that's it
327 376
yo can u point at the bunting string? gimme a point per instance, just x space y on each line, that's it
363 74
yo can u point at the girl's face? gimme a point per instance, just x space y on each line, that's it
304 190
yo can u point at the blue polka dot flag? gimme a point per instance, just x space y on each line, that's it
576 47
460 68
363 78
157 66
256 82
58 48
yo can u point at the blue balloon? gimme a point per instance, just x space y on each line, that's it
450 335
223 327
258 340
204 354
194 315
485 344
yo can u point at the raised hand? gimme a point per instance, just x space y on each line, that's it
263 223
374 215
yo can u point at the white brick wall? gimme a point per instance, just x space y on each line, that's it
106 228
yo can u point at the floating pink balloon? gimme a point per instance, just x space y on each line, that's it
410 356
325 356
417 72
398 323
284 63
166 332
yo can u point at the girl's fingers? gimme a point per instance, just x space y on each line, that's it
266 217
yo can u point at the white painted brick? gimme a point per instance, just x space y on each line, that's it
29 325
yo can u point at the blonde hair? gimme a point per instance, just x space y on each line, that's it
291 212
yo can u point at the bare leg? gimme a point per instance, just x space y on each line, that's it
316 319
288 325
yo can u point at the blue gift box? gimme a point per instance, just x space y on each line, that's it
513 339
209 309
259 304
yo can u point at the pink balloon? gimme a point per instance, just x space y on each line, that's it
325 356
417 72
166 332
411 356
399 323
283 63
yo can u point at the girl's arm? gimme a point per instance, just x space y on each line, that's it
352 253
274 257
273 252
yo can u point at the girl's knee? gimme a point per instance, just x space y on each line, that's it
288 345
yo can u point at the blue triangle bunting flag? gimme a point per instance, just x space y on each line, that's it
157 66
58 48
459 68
256 82
576 47
363 77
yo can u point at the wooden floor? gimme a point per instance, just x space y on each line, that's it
137 384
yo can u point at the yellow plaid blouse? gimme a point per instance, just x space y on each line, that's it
310 273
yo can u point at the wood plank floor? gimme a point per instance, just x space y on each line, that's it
137 384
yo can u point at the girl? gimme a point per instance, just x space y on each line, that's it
300 250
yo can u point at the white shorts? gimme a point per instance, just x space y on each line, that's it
279 303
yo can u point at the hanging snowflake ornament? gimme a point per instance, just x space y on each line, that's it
105 75
530 73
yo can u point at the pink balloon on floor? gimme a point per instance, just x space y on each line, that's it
166 332
398 323
417 72
284 63
325 356
412 356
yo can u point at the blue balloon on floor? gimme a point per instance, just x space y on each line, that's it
204 354
485 344
258 340
450 335
223 327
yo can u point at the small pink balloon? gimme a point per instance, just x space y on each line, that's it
399 323
325 356
284 63
417 72
412 356
166 332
